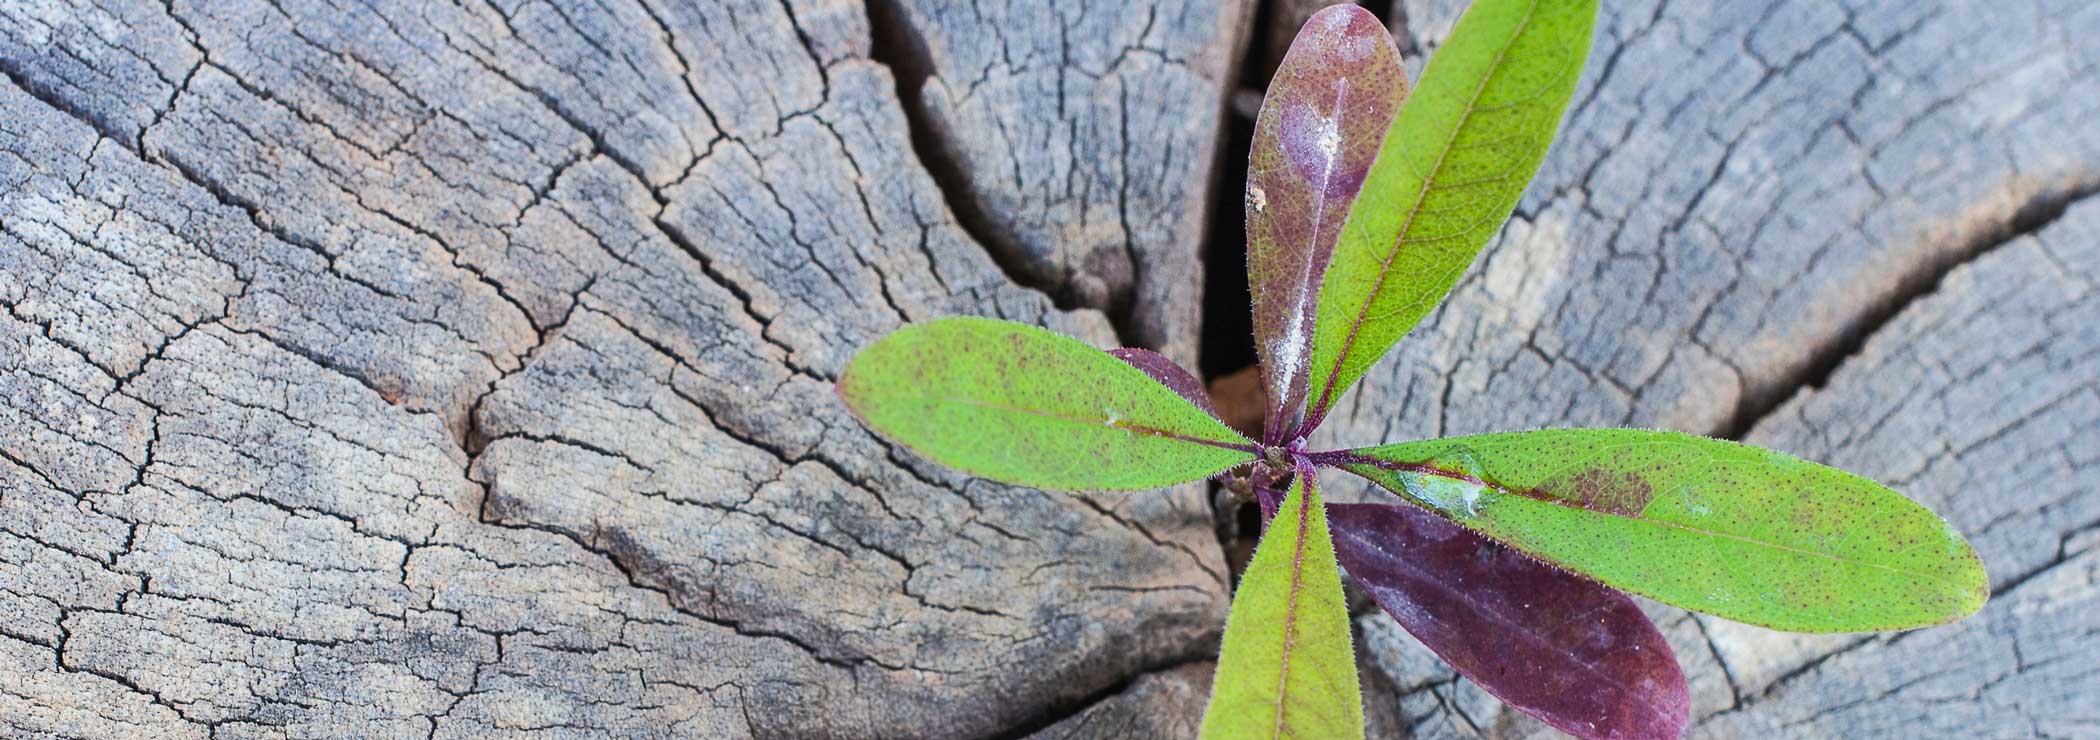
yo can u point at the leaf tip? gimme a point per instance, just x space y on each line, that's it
1344 17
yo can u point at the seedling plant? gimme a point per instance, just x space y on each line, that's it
1510 555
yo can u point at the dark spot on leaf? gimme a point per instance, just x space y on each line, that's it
1597 489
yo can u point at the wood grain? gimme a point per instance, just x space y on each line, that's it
462 368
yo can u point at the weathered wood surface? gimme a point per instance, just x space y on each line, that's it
465 369
461 369
1080 142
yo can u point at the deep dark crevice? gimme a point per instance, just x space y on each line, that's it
1227 327
897 44
1919 282
1257 60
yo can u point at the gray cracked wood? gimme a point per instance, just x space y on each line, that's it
1083 138
460 368
463 369
1739 194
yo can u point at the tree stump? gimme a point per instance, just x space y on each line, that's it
463 369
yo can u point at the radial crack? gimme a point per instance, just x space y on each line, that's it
1919 282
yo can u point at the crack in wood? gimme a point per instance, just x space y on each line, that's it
1918 282
899 46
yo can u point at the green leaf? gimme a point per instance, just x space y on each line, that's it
1460 153
1288 668
1018 404
1728 529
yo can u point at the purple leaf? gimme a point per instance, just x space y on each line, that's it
1173 376
1326 112
1575 654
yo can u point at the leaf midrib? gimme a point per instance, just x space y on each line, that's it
1290 606
1246 446
1305 273
1421 196
1529 494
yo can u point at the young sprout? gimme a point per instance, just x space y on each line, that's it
1511 555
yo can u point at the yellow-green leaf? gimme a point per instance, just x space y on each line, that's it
1023 405
1288 668
1728 529
1459 154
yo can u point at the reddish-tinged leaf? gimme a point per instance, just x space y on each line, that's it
1169 374
1577 655
1327 109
